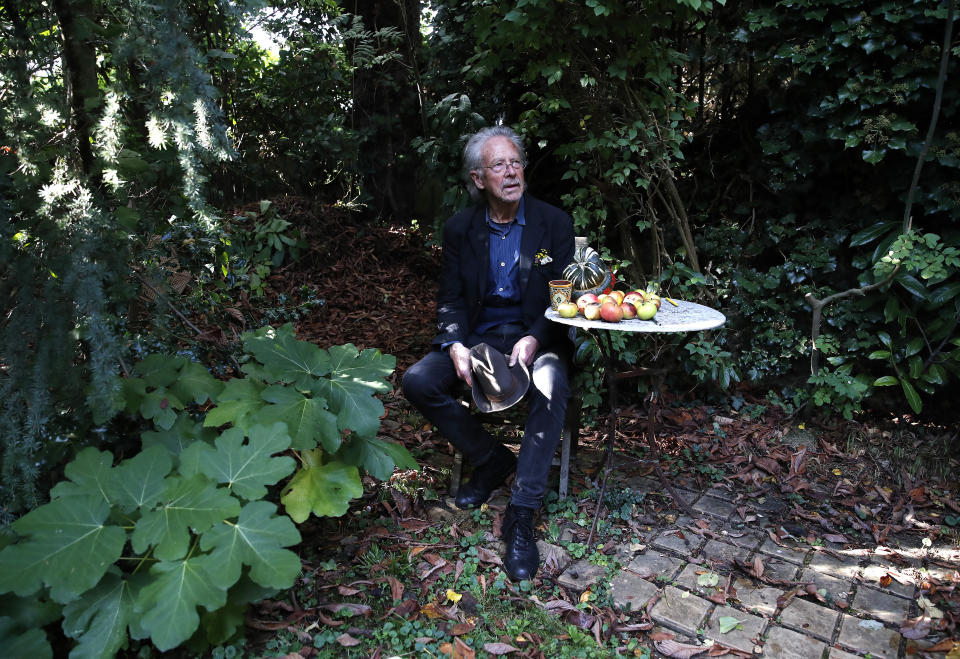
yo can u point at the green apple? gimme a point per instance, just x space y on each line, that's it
567 309
646 310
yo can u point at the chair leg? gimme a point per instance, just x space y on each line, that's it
456 473
568 442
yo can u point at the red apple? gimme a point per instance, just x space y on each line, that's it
617 296
585 299
629 311
611 312
633 297
592 311
654 299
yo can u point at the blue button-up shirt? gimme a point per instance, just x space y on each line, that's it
502 299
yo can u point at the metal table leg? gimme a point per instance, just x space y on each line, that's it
610 374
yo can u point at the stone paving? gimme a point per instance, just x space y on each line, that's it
669 575
829 601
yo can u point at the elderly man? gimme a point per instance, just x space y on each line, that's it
498 257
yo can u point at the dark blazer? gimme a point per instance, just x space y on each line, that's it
466 264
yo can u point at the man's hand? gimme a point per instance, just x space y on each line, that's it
524 350
460 355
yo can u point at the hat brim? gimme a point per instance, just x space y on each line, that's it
485 405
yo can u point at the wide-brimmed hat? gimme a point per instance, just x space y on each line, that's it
496 386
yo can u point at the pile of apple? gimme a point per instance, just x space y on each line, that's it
612 307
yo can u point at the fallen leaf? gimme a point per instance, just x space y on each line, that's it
461 650
558 605
347 641
915 628
453 596
396 588
346 591
487 556
499 649
757 570
727 624
929 608
838 538
670 648
708 579
462 628
946 645
435 611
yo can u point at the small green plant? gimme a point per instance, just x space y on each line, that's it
838 390
251 252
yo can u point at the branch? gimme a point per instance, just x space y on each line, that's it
817 306
163 297
941 78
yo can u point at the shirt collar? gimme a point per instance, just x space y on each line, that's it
521 219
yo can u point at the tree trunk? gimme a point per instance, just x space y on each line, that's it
77 18
387 109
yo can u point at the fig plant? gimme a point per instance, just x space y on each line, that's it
134 549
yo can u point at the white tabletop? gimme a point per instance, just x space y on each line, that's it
685 317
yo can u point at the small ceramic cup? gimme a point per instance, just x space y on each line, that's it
560 291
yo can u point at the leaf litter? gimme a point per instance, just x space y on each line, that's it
813 492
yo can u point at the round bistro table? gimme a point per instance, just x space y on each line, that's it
673 317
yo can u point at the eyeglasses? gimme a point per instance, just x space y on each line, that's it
500 166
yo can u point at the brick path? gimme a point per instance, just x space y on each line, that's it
671 567
671 570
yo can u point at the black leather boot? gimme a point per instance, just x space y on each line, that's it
486 478
521 559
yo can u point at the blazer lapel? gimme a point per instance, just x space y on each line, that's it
480 243
532 233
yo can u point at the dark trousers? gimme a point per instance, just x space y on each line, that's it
432 386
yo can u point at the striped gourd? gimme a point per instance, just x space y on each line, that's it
588 273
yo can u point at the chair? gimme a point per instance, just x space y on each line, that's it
515 417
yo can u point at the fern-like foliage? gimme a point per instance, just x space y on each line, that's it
69 222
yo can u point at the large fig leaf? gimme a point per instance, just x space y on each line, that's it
18 642
140 481
377 457
239 399
354 404
287 359
99 618
322 489
68 548
246 467
197 384
169 604
184 432
258 540
159 370
189 503
353 380
370 367
90 473
161 405
307 419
